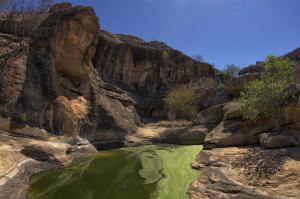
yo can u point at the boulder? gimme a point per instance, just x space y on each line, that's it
291 115
185 136
32 132
211 116
232 133
232 110
80 147
46 151
277 140
212 96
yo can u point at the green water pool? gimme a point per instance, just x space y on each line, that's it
149 172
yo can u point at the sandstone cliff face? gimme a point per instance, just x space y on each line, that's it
12 75
43 85
147 69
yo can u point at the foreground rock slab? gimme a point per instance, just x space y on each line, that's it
245 173
22 157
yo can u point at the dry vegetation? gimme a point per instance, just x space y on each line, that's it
80 108
184 100
20 19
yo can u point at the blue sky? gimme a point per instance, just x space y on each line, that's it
224 32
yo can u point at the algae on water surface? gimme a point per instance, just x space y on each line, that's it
150 172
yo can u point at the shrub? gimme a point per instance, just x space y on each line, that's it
184 100
231 70
264 98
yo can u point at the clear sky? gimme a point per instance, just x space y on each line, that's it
224 32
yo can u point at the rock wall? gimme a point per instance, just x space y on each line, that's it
44 84
13 75
147 69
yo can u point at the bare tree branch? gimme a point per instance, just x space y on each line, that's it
19 19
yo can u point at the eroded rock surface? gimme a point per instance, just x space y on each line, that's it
76 80
42 86
12 73
284 138
148 69
269 172
159 134
233 130
246 173
21 157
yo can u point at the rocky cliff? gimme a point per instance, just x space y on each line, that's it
72 63
248 159
76 80
148 69
56 87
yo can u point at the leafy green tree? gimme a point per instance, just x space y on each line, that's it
264 98
231 70
184 100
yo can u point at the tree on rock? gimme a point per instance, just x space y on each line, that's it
184 100
264 98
